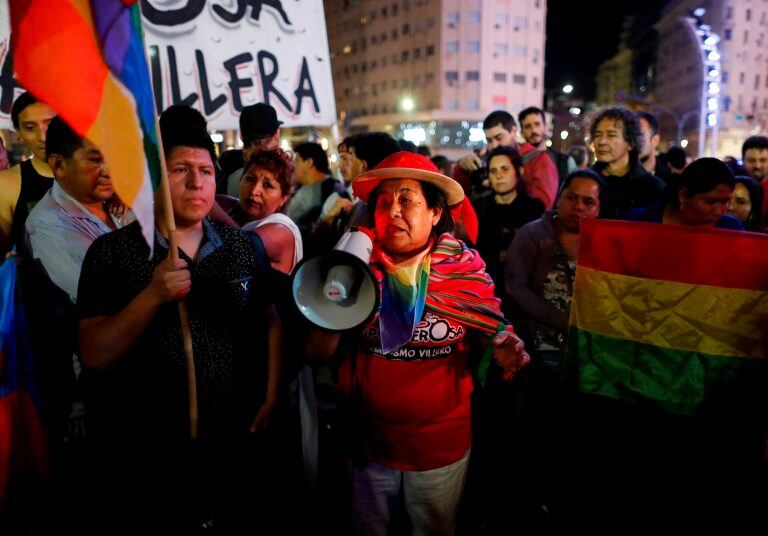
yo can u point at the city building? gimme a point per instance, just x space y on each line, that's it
629 76
614 77
658 67
431 70
743 54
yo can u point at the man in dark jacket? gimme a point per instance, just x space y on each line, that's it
617 142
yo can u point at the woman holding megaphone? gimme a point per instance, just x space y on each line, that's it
406 379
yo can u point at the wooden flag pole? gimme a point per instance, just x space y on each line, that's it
186 332
170 224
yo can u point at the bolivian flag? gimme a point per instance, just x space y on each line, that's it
86 60
668 316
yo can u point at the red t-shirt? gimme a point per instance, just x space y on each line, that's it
416 400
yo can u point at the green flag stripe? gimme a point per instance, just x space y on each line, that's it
682 382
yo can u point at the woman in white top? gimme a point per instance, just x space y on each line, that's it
264 189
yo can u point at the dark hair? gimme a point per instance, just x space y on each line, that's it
700 176
406 145
755 190
277 162
19 105
434 197
423 150
314 152
517 163
60 139
649 118
183 126
442 163
373 147
632 132
754 142
677 157
346 142
586 173
499 118
528 111
737 169
579 153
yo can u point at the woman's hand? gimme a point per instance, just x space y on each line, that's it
509 352
261 422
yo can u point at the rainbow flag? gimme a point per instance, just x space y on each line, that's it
668 316
403 297
23 445
86 60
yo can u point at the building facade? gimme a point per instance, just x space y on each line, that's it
614 77
430 70
743 27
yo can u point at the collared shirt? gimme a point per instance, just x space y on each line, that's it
305 198
232 286
59 231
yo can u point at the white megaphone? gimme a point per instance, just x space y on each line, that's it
337 290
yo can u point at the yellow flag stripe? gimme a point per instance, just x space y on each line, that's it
679 316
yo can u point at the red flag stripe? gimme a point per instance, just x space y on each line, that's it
59 30
684 254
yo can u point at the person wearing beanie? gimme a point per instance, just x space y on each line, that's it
132 349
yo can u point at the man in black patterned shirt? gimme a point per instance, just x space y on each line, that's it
136 374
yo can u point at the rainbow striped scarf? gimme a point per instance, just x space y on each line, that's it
449 279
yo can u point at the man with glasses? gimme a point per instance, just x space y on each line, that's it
260 131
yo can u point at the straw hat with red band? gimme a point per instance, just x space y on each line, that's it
407 165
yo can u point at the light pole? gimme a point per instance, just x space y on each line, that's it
706 42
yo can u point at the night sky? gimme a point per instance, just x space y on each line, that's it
583 34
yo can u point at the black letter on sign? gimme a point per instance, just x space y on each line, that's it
7 84
235 83
209 106
242 5
301 92
268 78
190 99
171 17
157 76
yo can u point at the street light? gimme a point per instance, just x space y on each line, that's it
567 89
407 104
709 106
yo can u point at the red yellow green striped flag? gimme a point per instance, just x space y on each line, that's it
667 315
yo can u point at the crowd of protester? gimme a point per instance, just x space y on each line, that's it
299 426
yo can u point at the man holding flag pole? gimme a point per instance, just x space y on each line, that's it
90 67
